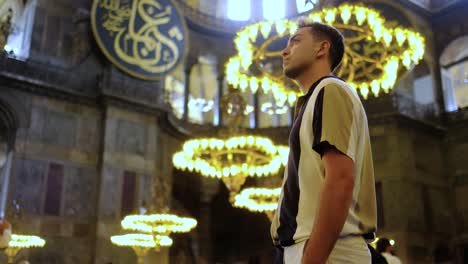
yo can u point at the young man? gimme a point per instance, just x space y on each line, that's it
327 207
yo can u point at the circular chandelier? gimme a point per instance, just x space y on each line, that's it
141 240
232 159
19 242
234 155
23 241
237 67
258 200
158 224
141 243
375 55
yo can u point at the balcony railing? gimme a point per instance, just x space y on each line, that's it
409 107
82 82
402 104
48 76
210 21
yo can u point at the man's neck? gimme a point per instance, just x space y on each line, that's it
309 77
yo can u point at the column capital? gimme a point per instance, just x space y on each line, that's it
190 61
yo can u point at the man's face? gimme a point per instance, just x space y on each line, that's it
300 53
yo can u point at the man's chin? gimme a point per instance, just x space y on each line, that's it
291 73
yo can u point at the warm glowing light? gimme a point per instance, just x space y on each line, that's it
22 241
141 240
395 50
374 243
401 47
345 14
231 157
164 224
258 199
330 17
247 53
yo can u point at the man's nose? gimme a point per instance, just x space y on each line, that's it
285 52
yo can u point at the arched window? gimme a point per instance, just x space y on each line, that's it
174 89
238 10
454 70
20 26
415 92
273 9
203 90
305 5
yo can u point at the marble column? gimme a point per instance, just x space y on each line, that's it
437 80
187 71
254 118
6 174
210 188
217 108
222 60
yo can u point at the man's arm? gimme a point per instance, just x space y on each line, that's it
335 200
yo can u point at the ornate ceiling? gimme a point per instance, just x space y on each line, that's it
213 13
218 8
433 5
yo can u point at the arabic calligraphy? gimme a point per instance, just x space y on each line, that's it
116 16
145 37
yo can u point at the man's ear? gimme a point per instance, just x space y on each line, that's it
324 48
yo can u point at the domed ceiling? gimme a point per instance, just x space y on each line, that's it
231 15
220 8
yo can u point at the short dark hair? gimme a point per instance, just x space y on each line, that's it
383 244
336 39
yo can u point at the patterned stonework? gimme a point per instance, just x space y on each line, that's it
29 184
79 192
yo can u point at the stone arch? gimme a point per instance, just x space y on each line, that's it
13 115
455 51
454 71
203 89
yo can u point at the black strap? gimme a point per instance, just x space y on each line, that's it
369 236
279 255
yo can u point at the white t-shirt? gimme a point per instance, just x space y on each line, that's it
329 114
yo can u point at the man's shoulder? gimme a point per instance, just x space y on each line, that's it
332 81
336 89
335 84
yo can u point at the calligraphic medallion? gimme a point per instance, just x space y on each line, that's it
144 38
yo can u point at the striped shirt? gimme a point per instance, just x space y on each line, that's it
330 115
